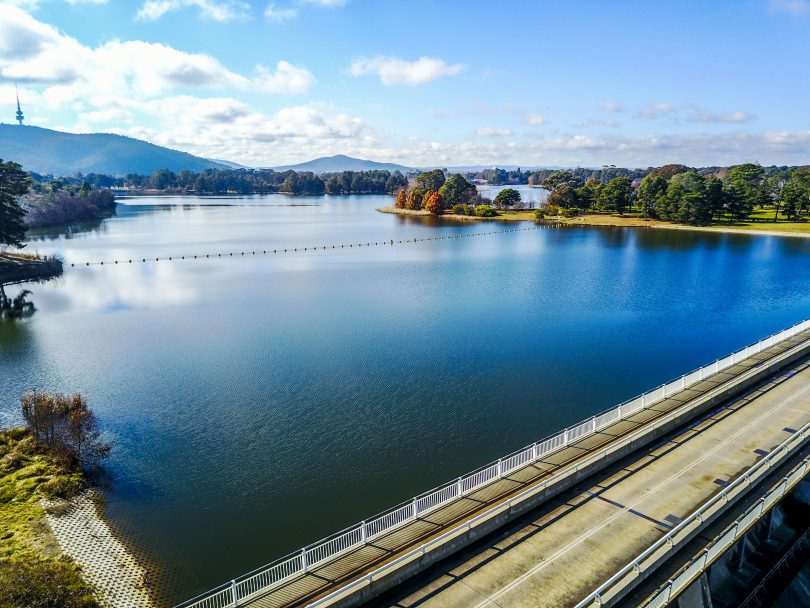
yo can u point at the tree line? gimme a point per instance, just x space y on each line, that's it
254 181
516 177
685 195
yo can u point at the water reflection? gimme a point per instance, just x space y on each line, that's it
51 233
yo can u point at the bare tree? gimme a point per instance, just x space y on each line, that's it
65 426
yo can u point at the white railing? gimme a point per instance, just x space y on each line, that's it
670 543
300 562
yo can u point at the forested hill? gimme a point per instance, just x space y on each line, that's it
64 154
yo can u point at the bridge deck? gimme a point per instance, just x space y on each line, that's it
585 537
354 564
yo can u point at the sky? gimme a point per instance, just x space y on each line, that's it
421 82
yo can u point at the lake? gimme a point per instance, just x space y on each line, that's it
530 196
260 402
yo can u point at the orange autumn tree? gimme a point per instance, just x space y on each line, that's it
415 199
435 203
401 200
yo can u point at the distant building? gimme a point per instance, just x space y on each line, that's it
20 116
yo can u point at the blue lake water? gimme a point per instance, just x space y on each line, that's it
258 403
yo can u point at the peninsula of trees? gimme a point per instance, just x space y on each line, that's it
433 192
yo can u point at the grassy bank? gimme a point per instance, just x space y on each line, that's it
30 565
521 214
780 228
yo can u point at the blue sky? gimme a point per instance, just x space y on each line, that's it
421 82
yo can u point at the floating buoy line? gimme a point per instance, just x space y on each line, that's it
277 251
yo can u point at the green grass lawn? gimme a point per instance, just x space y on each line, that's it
30 566
798 227
763 220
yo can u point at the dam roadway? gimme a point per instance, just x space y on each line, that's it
558 557
548 524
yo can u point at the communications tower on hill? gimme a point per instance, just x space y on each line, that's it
20 116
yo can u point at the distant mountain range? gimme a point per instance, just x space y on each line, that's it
63 154
58 153
341 162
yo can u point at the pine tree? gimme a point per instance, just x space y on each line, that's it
14 183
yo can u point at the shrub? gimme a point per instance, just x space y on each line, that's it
66 428
62 207
458 209
485 211
43 584
552 210
62 486
469 210
571 212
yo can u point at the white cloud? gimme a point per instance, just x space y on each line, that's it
656 110
33 4
797 8
610 106
216 10
34 52
279 14
228 128
476 108
158 93
187 101
492 132
702 149
599 122
393 70
97 120
692 113
704 116
286 78
534 119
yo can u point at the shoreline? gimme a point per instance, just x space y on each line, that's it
82 533
613 221
53 532
22 269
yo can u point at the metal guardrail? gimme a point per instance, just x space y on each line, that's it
670 543
300 562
